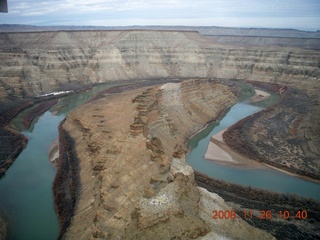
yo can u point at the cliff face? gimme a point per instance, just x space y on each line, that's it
308 43
36 63
132 173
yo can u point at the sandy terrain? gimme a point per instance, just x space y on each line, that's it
221 153
259 96
54 152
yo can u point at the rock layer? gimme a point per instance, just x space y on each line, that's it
133 178
40 62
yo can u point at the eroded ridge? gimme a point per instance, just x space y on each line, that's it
134 181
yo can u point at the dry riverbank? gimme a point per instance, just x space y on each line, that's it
221 153
218 151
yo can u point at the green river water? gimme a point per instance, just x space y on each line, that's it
26 189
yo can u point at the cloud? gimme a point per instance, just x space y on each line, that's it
271 13
80 6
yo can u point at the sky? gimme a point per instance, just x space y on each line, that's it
297 14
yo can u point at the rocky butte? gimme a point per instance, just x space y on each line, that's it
122 171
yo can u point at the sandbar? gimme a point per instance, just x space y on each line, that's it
259 96
54 152
218 151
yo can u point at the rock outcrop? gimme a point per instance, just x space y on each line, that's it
133 179
40 62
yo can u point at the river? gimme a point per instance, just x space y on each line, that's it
260 178
26 189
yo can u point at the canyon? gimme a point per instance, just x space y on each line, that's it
121 170
132 177
35 63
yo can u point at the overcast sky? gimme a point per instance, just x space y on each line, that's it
298 14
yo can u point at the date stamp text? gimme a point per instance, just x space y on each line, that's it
264 214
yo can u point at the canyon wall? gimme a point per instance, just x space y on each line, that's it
229 35
133 179
40 62
308 43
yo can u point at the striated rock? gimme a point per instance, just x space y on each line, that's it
40 62
131 186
